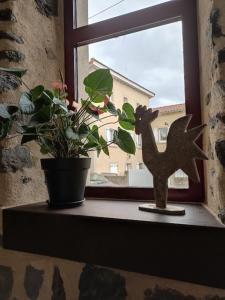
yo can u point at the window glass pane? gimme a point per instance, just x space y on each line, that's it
92 11
147 69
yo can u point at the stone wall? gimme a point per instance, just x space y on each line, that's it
31 37
212 63
34 277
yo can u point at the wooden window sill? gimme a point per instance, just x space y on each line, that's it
116 234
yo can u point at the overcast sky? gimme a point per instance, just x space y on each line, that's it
152 58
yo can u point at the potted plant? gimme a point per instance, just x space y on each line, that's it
69 134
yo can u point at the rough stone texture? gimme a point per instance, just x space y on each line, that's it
7 15
212 71
220 85
26 180
99 283
165 294
216 27
220 151
159 293
12 55
58 292
11 36
8 82
6 282
47 35
221 215
12 160
221 56
47 7
33 281
70 272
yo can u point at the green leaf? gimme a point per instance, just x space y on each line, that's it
46 146
104 145
124 140
126 117
126 124
15 71
60 103
83 152
129 111
37 92
71 134
83 131
94 132
25 104
43 115
4 112
98 84
47 96
93 137
111 109
90 145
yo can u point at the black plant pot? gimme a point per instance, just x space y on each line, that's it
66 180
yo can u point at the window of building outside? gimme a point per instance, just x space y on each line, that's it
148 56
109 134
140 166
162 134
128 167
114 168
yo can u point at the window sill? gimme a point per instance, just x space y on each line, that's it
116 234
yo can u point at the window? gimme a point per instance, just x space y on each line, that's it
128 166
109 134
140 166
99 10
168 13
163 132
113 168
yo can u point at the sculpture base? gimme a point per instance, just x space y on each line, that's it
169 210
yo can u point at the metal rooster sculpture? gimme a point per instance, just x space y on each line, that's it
181 153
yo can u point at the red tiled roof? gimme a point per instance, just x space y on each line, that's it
170 108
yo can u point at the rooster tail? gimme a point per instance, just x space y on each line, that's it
191 170
194 133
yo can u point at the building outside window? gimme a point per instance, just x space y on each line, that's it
113 168
140 166
109 134
162 134
128 167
